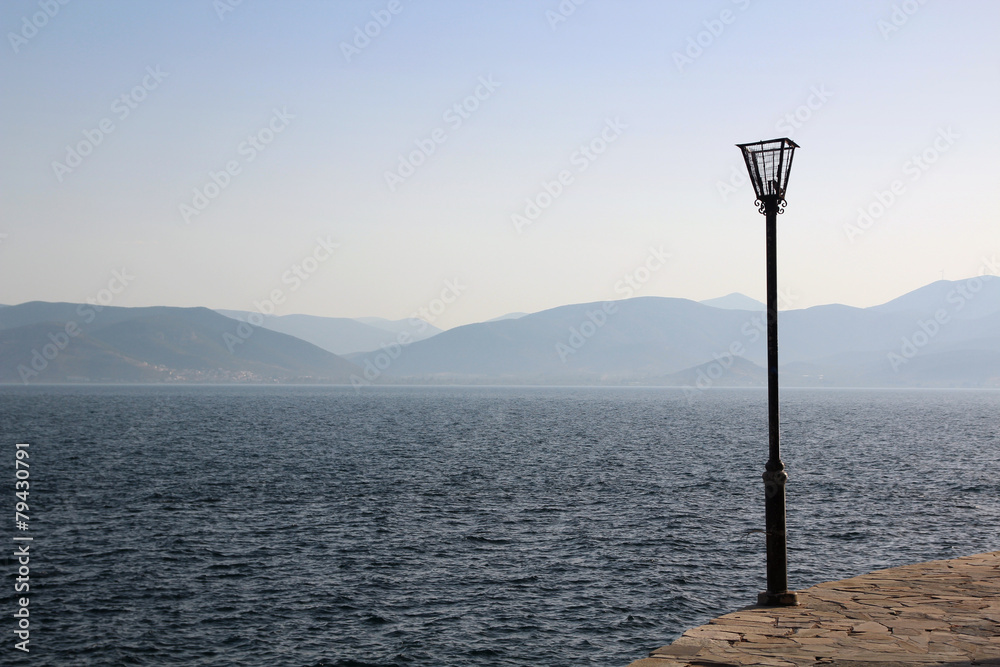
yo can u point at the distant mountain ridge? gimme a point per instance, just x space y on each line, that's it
633 339
946 334
508 316
735 301
339 335
63 342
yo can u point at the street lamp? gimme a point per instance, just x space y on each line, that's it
769 164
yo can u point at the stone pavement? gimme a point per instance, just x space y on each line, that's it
944 612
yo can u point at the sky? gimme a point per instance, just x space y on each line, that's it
464 159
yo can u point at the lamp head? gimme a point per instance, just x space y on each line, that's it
769 163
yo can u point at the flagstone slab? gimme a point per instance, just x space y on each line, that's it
943 612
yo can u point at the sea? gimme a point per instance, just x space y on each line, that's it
457 526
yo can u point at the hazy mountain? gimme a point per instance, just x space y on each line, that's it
965 299
946 334
941 335
723 372
417 328
614 341
508 316
340 335
56 342
735 301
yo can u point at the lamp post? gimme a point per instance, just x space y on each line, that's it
769 164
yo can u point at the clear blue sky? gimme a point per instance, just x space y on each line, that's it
870 89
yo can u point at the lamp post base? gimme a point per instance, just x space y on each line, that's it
769 599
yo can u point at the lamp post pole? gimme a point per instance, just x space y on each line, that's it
777 592
769 164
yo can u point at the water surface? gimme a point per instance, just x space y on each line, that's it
463 526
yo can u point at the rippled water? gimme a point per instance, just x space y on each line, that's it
462 526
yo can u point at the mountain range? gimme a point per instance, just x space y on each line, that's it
946 334
340 335
64 342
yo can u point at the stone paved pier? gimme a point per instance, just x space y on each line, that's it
944 612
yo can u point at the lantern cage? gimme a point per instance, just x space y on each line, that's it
769 163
